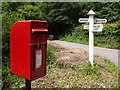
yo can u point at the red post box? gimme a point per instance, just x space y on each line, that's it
28 47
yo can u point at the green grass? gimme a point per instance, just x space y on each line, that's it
66 75
63 75
88 69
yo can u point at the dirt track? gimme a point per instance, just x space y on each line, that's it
111 54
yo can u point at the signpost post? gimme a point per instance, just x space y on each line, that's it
92 28
91 35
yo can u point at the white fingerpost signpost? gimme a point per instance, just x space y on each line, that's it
92 28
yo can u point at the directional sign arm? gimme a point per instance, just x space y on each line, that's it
100 20
83 20
96 27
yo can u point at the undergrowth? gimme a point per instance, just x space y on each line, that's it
108 38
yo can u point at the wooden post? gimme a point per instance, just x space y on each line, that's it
91 14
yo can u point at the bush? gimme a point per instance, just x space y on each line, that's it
78 35
10 80
108 38
7 22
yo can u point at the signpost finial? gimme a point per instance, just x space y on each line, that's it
91 12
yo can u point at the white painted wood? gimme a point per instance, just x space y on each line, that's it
91 38
96 27
92 28
100 20
83 20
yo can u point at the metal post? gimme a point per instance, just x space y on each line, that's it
28 84
91 36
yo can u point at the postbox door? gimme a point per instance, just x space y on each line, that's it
38 63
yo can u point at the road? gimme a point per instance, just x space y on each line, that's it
112 54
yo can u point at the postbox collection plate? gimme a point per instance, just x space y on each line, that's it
38 58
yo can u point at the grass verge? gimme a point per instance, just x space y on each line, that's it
103 74
64 75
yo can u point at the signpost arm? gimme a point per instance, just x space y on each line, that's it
28 84
91 36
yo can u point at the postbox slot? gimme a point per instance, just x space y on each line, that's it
38 45
38 37
39 30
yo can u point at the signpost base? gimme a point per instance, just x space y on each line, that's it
28 84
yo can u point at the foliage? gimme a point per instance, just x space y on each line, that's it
60 16
8 79
108 10
31 11
50 54
63 16
13 12
88 69
8 19
78 35
7 22
109 37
